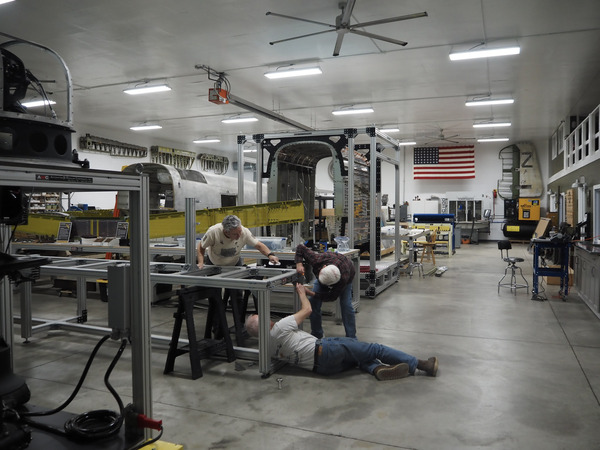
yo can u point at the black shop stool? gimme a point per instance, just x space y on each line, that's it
210 346
504 247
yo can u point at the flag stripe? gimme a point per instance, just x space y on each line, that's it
444 162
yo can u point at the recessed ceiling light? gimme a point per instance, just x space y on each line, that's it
34 103
489 101
239 119
504 139
147 89
346 111
479 52
491 124
206 141
288 73
145 127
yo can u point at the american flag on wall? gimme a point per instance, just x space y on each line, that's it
434 163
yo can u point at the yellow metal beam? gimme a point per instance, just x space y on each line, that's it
173 224
42 224
265 214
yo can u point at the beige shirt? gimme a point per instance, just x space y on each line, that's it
223 251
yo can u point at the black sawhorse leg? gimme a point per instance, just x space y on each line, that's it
239 306
207 347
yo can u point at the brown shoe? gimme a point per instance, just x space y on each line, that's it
384 373
430 366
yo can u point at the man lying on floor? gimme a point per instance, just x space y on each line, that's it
332 355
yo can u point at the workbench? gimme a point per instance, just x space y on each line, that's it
261 281
562 271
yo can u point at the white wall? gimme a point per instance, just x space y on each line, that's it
102 161
488 170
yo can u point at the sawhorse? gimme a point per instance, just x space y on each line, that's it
203 348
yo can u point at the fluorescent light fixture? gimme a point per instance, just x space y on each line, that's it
491 124
147 89
504 139
489 101
2 2
408 143
249 151
389 130
145 127
288 73
346 111
206 141
239 120
485 53
34 103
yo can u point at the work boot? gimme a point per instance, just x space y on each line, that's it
384 372
430 366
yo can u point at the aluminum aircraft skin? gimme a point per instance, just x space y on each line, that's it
169 187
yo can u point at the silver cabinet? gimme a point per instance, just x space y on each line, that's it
466 210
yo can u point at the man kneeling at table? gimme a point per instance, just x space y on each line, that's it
331 355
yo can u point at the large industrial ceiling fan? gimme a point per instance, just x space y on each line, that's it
343 26
441 137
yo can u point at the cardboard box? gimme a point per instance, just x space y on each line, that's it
325 212
556 280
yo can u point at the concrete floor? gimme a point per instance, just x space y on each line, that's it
514 373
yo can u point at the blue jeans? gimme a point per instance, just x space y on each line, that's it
340 353
348 316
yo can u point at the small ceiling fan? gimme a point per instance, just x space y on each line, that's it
343 26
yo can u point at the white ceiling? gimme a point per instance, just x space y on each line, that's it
109 45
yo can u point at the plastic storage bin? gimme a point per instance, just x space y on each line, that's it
273 243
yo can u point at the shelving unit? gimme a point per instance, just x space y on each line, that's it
40 202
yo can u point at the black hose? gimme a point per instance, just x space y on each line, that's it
93 424
79 384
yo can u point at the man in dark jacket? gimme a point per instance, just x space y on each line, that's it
334 274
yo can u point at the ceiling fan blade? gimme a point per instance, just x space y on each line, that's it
269 13
376 36
391 19
347 13
338 44
299 37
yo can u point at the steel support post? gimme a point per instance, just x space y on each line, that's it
81 286
140 300
6 319
25 304
397 205
240 199
190 232
374 204
351 191
264 322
